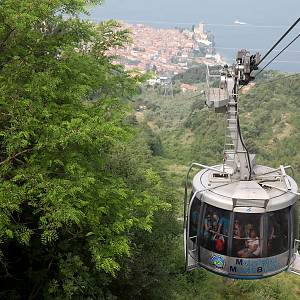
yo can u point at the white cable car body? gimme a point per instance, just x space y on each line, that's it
241 220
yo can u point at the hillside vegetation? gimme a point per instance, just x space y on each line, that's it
188 131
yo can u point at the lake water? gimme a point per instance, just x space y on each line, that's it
266 21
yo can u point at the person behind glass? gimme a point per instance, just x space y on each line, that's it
237 229
248 227
208 226
252 248
274 240
223 226
215 222
237 235
271 237
214 231
194 220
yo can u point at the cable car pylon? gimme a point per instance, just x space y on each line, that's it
241 218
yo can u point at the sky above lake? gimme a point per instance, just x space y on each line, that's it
262 11
266 21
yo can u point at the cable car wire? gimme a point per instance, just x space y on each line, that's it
252 49
289 44
277 79
279 41
273 80
257 84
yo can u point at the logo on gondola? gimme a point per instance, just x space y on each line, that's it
218 261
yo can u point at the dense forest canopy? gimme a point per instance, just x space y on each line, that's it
91 190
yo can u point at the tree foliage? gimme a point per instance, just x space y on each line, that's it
70 193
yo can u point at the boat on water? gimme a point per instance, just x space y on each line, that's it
237 22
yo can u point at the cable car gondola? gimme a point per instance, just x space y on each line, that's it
241 220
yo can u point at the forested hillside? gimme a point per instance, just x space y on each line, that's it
190 131
91 190
187 131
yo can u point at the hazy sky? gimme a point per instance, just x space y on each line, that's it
262 11
266 21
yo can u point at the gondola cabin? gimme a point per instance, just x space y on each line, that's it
242 229
241 219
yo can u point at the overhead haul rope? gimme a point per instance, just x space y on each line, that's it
278 54
277 79
276 44
257 84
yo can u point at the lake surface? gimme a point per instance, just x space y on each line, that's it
266 21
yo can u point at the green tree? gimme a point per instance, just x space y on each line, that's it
67 205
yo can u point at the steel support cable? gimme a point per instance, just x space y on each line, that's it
258 84
236 90
277 79
282 37
245 147
273 80
289 44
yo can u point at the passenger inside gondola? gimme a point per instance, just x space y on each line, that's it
237 230
248 228
272 235
214 237
238 242
207 232
195 214
252 246
277 234
223 225
217 240
215 229
246 235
